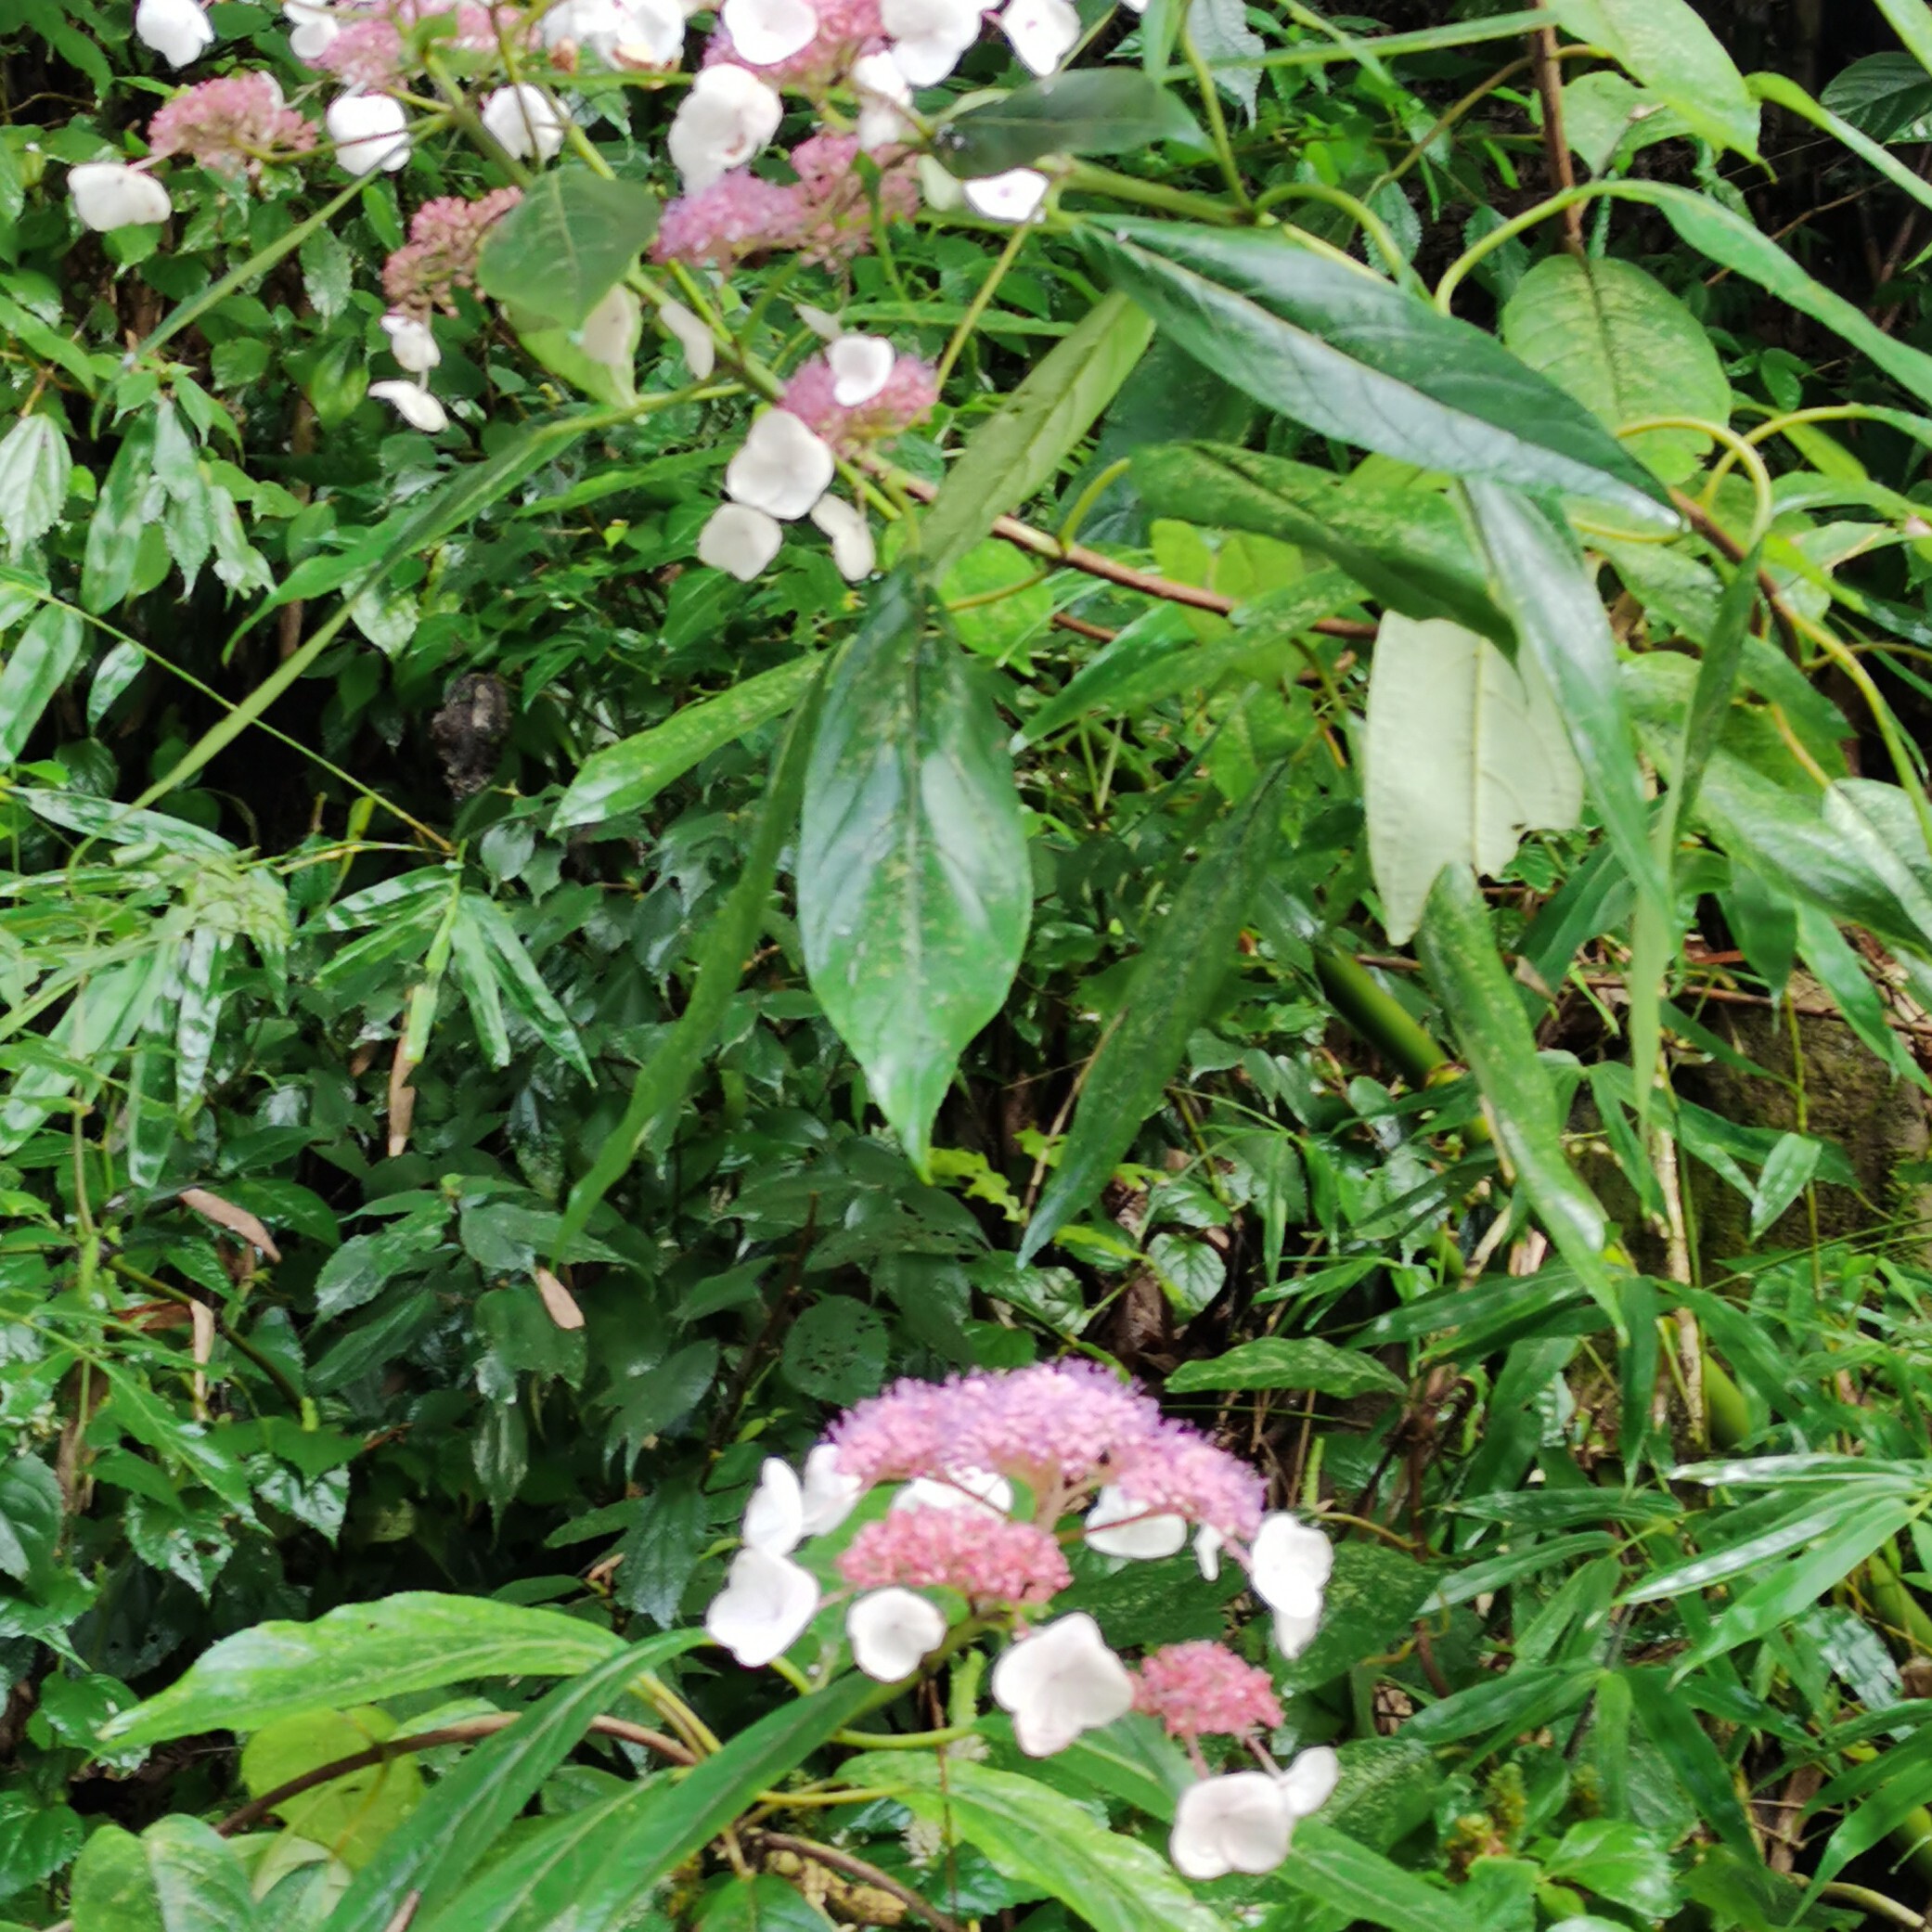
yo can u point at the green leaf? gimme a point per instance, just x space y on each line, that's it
1357 358
31 1514
1912 21
664 1080
1481 1001
1786 1173
350 1815
121 515
1732 242
1159 655
1173 987
1542 582
1783 1591
767 1904
626 776
1666 46
1464 753
465 1812
836 1352
34 468
1089 111
178 1876
1019 447
1369 1609
1888 97
41 661
1272 1362
1035 1835
914 889
1625 348
662 1550
594 1870
521 983
1405 545
416 1641
1335 1871
1671 1725
566 244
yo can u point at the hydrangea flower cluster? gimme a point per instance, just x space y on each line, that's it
992 1475
234 125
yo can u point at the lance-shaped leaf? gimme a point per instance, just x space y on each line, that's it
1481 1000
1464 755
914 891
1091 110
1361 360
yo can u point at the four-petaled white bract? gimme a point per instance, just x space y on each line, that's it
861 367
626 33
112 195
1059 1681
782 468
893 1631
1042 31
369 131
413 343
414 404
1117 1525
312 29
740 540
727 114
929 36
763 31
764 1608
983 1490
1289 1565
853 554
884 93
700 352
1014 196
179 31
524 121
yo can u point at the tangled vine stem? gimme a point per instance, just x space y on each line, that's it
467 1731
835 1860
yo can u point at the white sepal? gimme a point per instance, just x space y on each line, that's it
1014 196
829 1494
1042 31
893 1631
774 1518
179 31
700 352
414 404
369 131
853 551
413 343
1240 1822
1289 1564
1117 1525
782 468
112 195
1060 1680
764 1608
727 114
523 122
861 367
765 32
739 540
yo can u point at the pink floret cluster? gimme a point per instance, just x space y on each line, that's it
824 216
846 30
851 427
370 48
1197 1688
986 1557
1059 1428
439 256
232 125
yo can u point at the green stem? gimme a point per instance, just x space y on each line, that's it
1093 180
1217 120
128 1272
1378 1016
1372 224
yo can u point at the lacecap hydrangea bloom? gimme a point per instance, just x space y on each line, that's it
992 1476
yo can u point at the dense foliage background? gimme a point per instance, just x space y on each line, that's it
504 1025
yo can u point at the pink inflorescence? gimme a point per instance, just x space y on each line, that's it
439 256
369 47
824 216
1177 1471
909 396
365 54
1197 1688
846 30
969 1550
232 125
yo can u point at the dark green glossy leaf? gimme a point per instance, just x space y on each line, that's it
1667 47
1482 1002
664 1080
1089 111
1273 1362
625 777
178 1876
913 883
594 1870
38 662
1033 1834
416 1641
1018 449
1173 987
1542 582
1884 96
566 243
1359 359
1405 547
1348 1877
1671 1725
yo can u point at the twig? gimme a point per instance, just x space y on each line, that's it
1556 147
836 1860
1037 542
467 1731
289 1393
1714 532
